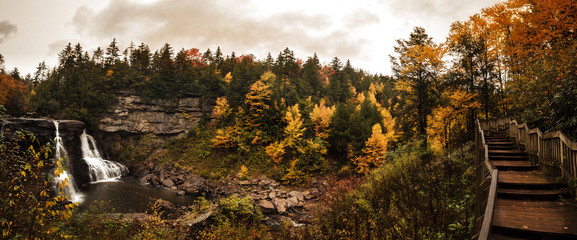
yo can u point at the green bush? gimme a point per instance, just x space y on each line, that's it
237 218
416 195
237 209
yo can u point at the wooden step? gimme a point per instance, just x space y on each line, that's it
489 140
496 136
507 143
508 158
527 179
502 147
541 218
514 165
495 152
533 194
501 236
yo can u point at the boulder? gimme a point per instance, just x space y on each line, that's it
272 194
155 180
292 202
264 181
257 196
266 206
297 195
194 184
281 205
168 182
189 219
146 178
165 206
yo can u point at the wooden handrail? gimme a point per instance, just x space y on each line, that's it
490 208
551 149
485 199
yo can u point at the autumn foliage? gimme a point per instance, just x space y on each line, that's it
13 93
31 207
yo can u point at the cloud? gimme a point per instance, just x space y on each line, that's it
218 22
7 30
436 8
362 18
56 47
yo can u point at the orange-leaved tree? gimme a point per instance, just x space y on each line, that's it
13 94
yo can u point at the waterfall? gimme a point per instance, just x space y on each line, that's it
64 181
100 170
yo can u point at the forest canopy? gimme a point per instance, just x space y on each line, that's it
515 58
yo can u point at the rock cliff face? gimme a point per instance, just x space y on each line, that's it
133 116
45 132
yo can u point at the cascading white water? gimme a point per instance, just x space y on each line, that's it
100 170
64 181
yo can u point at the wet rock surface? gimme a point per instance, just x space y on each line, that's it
45 131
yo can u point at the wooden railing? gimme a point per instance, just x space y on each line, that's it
552 150
486 180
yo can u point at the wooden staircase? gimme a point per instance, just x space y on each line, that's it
529 204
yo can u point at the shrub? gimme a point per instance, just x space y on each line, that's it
415 195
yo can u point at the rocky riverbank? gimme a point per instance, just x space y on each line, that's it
276 201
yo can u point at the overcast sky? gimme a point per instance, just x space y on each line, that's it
364 31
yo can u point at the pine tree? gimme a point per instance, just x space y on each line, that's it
418 69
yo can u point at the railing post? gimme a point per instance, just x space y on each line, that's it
562 156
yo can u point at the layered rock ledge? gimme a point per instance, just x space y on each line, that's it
134 116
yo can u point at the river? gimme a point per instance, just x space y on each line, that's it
127 196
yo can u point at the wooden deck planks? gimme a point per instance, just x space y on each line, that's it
525 177
543 192
527 204
502 163
549 217
506 151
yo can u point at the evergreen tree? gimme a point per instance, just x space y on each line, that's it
41 73
310 83
418 69
218 58
163 74
2 62
112 53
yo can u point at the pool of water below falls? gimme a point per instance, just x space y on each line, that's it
128 196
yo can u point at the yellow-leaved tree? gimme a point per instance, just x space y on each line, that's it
297 155
257 101
374 152
222 110
293 132
451 117
30 207
294 129
321 119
